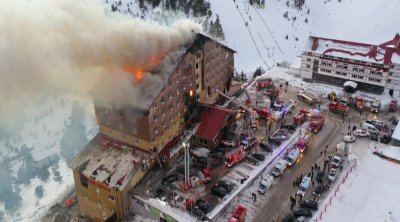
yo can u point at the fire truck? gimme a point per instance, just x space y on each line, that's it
359 103
263 113
239 215
305 98
339 108
263 83
393 105
300 117
235 156
303 143
317 123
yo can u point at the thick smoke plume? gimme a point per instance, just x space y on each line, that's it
64 46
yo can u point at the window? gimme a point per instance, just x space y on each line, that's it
111 197
197 65
361 70
209 91
197 76
97 190
344 67
308 66
198 55
355 69
197 86
308 60
84 181
323 63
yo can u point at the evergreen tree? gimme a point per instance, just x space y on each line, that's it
259 71
56 173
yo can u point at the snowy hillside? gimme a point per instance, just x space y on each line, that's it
370 21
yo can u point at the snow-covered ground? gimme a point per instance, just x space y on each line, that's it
371 192
369 21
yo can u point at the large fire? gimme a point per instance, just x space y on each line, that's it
138 72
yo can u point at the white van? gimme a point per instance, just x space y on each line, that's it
292 157
265 184
370 128
279 167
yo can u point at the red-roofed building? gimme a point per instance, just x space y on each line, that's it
373 67
213 124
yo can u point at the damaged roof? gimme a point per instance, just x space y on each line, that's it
211 122
110 162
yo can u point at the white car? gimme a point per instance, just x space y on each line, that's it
336 161
361 132
332 175
349 139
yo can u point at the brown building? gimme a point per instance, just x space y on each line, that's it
137 132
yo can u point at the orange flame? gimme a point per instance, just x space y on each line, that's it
137 73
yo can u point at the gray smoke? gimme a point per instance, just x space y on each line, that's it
66 46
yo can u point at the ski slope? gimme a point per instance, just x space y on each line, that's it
370 21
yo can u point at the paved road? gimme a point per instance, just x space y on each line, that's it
278 203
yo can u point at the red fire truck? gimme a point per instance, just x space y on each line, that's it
317 123
263 113
300 117
359 103
239 215
235 156
338 108
303 143
263 83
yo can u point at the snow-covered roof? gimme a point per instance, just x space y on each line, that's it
109 162
396 133
384 53
351 84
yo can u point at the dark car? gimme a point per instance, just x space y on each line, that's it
281 132
228 186
205 206
318 190
289 126
275 141
219 191
374 137
169 179
385 139
159 193
266 147
310 204
252 161
302 212
288 218
258 156
199 214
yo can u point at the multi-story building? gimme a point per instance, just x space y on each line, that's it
373 67
130 138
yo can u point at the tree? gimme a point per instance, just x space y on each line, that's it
56 173
243 77
39 192
259 71
43 173
1 215
12 202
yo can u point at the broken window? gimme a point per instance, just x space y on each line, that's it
111 197
84 181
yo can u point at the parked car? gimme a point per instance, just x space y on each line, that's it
310 204
228 186
159 193
377 123
252 161
370 128
361 133
290 126
199 214
374 137
288 218
332 175
302 212
385 139
266 147
336 161
205 206
169 179
281 132
349 139
219 191
318 190
258 156
275 141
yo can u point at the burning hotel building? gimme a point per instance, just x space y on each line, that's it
131 138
